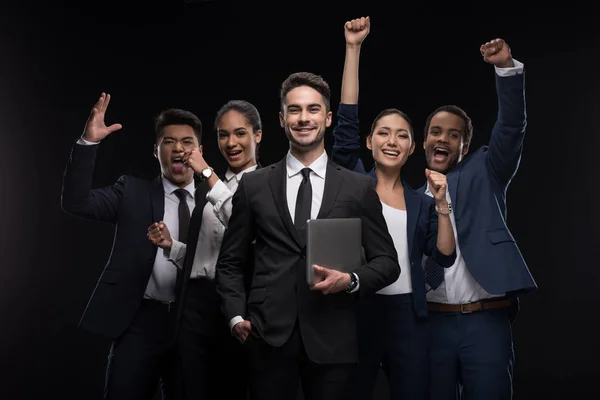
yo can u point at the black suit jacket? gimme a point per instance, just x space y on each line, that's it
202 190
279 295
131 205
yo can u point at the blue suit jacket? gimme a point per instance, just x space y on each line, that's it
477 187
421 226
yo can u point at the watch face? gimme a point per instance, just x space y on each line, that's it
206 172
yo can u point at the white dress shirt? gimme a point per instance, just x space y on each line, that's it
294 179
459 286
161 285
215 217
396 222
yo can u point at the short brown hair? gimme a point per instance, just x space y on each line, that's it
306 79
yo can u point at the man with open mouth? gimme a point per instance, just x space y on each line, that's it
133 303
473 303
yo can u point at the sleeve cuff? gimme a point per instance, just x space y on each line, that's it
348 111
516 70
444 260
177 253
219 192
84 142
234 321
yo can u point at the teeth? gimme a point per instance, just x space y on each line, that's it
392 153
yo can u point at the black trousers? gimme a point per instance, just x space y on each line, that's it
206 352
277 372
143 356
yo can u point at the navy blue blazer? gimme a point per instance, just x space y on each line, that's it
422 220
477 188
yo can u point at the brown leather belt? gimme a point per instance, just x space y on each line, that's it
470 307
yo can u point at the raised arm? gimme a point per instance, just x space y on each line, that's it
440 235
346 135
78 198
506 142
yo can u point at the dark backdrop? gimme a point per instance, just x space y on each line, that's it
56 58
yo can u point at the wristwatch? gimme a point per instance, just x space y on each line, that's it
353 283
445 211
206 173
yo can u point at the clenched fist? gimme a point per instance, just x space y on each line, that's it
159 235
497 53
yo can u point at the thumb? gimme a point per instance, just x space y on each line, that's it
114 128
316 268
348 25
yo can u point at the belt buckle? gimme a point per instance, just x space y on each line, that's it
463 309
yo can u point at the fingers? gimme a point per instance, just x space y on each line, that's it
358 24
436 179
106 101
98 106
242 330
492 47
324 286
156 232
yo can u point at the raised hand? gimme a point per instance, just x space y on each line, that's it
497 52
357 30
437 185
95 127
159 235
195 160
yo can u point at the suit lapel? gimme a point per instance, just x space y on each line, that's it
333 182
277 182
453 177
157 197
413 209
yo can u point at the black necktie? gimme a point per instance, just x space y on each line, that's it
184 215
303 204
434 273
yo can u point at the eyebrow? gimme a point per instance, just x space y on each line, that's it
183 138
389 129
452 129
240 129
309 105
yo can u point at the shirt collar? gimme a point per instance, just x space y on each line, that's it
319 166
170 187
230 174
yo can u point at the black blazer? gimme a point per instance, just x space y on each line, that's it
194 232
131 205
279 295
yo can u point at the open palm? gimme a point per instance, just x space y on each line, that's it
95 127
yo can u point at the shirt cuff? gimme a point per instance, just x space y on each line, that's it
174 255
84 142
511 71
219 192
234 321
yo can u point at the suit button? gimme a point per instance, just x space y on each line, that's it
303 253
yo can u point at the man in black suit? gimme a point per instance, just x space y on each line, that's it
133 303
295 332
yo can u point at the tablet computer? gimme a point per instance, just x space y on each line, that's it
334 243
